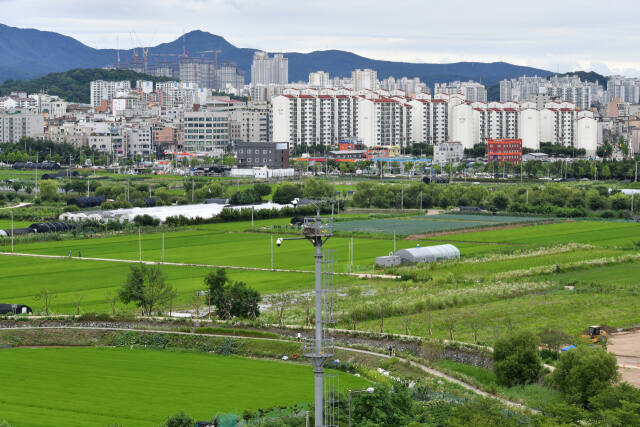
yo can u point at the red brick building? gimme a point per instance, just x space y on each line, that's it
504 150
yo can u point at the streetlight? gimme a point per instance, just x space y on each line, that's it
319 350
366 390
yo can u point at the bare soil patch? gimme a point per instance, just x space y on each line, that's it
626 347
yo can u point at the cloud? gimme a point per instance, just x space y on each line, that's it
568 34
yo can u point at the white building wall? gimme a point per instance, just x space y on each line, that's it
530 128
462 125
587 135
367 122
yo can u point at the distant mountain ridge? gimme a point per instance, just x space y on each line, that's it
28 53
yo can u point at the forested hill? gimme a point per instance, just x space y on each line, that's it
73 85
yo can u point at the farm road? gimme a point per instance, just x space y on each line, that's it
181 264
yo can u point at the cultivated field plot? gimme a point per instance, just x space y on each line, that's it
601 233
216 246
103 386
431 224
93 283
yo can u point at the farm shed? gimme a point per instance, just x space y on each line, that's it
14 309
428 253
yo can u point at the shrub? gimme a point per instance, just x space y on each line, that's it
618 405
262 189
516 359
286 192
146 221
179 420
583 372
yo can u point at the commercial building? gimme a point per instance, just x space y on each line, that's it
206 131
504 150
448 152
261 154
17 124
267 70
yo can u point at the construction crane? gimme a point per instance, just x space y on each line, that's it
215 55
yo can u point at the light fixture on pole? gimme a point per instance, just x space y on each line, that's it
319 348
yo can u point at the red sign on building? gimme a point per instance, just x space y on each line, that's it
504 150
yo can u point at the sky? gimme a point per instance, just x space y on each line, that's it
557 35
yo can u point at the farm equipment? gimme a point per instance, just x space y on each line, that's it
596 335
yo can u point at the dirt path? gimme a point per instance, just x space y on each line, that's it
19 205
182 264
424 368
626 347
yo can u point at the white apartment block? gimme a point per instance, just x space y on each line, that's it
364 79
429 120
472 91
17 124
106 90
566 89
405 84
319 79
624 89
384 122
251 123
206 131
267 70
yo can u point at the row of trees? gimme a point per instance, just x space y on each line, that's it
147 287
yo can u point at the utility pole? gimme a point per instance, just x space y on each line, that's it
139 244
272 252
394 242
402 196
421 201
11 230
192 189
163 247
636 178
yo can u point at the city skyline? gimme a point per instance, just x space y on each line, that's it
563 37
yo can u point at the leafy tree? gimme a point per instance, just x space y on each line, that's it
618 405
245 197
500 201
482 412
179 420
286 192
147 288
385 407
16 186
620 202
316 189
516 359
583 372
232 299
146 220
554 339
262 189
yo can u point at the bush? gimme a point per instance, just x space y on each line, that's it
286 192
618 405
262 189
146 221
72 208
516 359
583 372
180 420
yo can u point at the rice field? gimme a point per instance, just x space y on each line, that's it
89 387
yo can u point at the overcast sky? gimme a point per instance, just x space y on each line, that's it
551 34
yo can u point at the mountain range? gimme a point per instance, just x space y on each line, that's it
28 53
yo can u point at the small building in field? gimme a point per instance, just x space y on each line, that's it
14 309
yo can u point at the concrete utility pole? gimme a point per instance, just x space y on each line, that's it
139 244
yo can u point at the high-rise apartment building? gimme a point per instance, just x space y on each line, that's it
200 71
472 91
565 88
106 90
364 79
229 76
267 70
625 89
319 79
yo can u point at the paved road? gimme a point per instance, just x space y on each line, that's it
426 369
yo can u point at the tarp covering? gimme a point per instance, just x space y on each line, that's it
201 210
